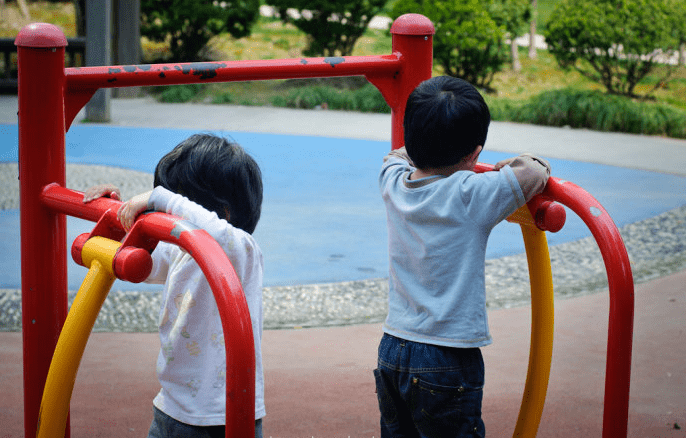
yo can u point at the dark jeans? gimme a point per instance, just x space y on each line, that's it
429 391
164 426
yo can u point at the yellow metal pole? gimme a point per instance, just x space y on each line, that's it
542 324
97 254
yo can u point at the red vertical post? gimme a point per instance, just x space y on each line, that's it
40 51
413 39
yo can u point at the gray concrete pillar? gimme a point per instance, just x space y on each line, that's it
127 40
99 52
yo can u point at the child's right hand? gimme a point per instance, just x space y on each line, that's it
129 211
95 192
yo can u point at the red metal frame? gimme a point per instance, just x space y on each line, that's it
50 96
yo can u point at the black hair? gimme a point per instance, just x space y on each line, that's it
445 120
217 174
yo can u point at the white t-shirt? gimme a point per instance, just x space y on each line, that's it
191 366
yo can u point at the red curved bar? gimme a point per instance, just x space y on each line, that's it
621 286
227 289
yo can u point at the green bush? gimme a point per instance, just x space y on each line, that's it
614 43
597 111
178 93
189 24
224 97
365 99
468 43
332 26
368 99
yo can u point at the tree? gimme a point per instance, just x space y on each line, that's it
614 42
678 26
532 29
513 15
188 25
332 26
80 17
468 42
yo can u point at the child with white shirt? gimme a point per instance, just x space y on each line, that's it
217 186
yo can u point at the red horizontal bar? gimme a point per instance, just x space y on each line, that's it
80 78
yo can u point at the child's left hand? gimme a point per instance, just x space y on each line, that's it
95 192
500 164
129 211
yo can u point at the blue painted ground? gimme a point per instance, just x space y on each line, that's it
323 219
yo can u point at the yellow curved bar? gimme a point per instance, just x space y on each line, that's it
97 254
542 328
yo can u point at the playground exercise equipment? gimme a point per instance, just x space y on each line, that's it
51 95
130 260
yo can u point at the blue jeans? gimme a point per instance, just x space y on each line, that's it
428 391
164 426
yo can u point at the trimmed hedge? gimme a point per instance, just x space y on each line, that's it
597 111
366 99
566 107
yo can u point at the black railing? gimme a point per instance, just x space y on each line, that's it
75 57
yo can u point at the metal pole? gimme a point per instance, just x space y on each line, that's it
40 50
413 39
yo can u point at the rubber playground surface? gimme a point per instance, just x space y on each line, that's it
323 219
321 199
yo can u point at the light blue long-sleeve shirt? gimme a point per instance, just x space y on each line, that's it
438 228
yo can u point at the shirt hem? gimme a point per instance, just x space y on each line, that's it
208 420
440 341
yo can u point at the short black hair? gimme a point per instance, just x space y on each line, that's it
446 118
217 174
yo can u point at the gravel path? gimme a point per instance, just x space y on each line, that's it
656 247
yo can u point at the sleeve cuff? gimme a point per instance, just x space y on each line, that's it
159 199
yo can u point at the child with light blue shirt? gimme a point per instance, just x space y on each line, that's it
430 373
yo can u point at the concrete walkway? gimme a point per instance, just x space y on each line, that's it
624 150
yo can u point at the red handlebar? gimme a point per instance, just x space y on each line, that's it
148 230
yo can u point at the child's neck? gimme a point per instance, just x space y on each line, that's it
442 171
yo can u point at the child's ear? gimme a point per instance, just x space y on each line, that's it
474 156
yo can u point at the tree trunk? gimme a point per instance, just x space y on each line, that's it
682 54
80 17
532 29
24 9
514 50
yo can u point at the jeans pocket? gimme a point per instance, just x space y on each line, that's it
449 408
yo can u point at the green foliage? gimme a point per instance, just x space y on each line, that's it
224 97
513 15
468 42
596 111
178 93
365 99
677 13
332 26
613 42
189 24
